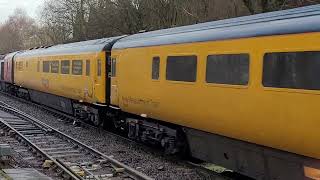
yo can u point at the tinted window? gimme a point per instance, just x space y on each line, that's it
46 66
99 67
228 69
65 67
77 67
54 66
182 68
88 67
296 70
155 67
113 67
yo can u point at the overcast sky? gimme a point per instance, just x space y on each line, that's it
7 7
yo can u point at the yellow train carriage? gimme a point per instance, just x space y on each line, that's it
246 90
70 76
70 72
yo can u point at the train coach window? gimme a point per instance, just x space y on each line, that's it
46 66
113 67
77 67
155 68
295 70
99 67
87 67
54 66
181 68
65 67
230 69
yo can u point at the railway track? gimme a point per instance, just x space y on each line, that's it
68 118
73 159
216 172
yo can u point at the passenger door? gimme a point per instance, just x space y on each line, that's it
114 82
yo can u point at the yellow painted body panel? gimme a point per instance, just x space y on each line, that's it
91 89
284 119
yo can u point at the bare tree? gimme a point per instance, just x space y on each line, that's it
77 20
19 32
259 6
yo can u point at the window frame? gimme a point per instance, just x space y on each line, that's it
62 72
45 62
237 86
55 61
99 68
285 89
113 67
88 69
72 65
159 69
198 65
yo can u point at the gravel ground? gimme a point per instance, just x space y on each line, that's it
23 158
152 163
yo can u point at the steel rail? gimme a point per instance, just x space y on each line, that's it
71 174
130 171
70 118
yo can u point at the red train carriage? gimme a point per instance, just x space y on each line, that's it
7 74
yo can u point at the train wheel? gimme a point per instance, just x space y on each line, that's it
96 121
183 144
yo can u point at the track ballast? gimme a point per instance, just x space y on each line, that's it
74 159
